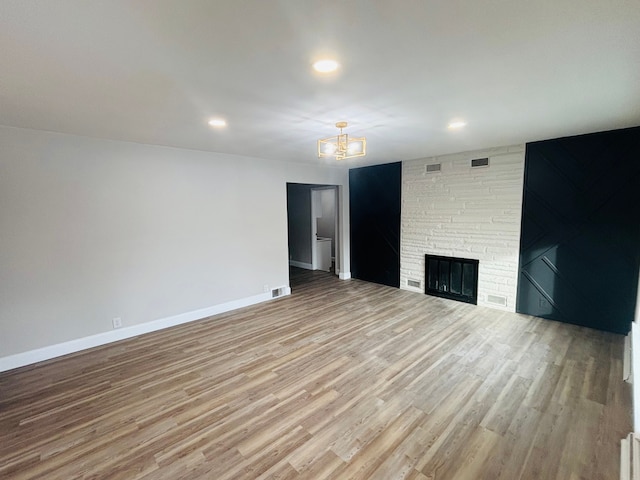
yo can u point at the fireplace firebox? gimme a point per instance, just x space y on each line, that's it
451 277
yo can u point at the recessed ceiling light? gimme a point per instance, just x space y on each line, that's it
456 124
218 122
325 66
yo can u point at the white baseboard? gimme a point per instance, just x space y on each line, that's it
344 275
52 351
306 266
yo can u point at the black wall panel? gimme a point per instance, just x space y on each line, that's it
580 243
374 209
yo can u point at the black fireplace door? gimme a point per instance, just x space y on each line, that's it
453 278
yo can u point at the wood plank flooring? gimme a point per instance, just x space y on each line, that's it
341 380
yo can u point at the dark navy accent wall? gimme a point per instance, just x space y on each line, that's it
374 209
580 242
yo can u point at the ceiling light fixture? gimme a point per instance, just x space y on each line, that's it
342 146
456 124
218 122
325 66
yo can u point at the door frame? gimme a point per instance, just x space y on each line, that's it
316 211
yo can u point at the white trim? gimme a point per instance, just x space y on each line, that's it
625 458
52 351
316 212
306 266
344 275
627 374
284 291
630 458
635 368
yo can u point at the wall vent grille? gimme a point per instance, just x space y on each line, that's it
433 168
497 300
276 292
414 283
479 162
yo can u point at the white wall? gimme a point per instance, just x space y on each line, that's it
94 229
465 212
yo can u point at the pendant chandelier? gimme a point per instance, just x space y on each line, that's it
342 145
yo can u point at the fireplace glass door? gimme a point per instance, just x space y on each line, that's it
453 278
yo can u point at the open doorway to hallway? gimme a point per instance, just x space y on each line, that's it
313 232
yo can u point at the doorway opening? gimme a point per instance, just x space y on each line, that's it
313 231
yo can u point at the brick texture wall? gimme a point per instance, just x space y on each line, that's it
465 212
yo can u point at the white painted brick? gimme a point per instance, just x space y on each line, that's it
465 212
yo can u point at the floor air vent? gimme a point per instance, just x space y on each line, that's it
276 292
497 300
413 283
479 162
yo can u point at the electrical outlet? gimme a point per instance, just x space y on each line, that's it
117 322
265 288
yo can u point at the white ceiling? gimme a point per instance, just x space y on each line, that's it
155 71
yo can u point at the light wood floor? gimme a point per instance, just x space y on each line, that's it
343 379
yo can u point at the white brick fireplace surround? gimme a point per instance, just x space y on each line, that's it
460 211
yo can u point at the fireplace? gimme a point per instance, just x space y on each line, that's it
450 277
